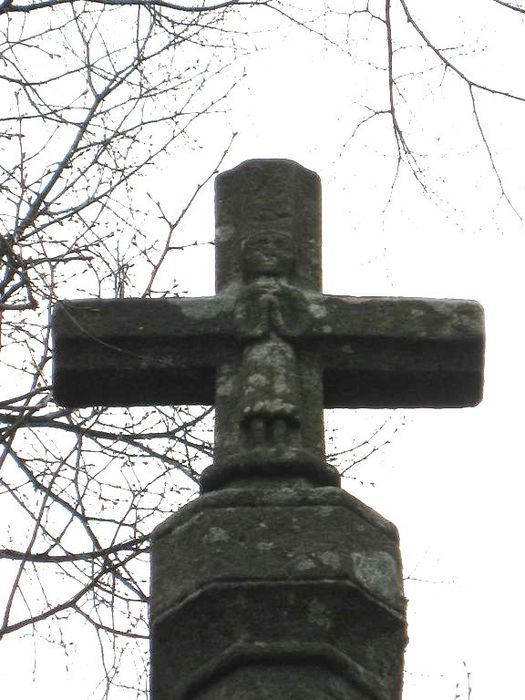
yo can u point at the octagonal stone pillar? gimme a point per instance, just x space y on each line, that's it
289 592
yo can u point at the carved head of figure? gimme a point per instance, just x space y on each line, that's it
268 253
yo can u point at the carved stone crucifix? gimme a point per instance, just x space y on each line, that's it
269 350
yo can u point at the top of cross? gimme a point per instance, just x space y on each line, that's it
268 210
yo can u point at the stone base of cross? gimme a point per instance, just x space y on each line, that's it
277 591
274 583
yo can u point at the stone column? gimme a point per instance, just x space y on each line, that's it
277 591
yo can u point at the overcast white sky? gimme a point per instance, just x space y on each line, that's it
452 481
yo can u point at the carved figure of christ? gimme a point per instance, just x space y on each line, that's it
269 350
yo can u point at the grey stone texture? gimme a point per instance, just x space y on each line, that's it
270 351
274 583
280 591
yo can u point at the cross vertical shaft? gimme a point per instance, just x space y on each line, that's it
269 399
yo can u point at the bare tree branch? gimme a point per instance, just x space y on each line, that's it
510 6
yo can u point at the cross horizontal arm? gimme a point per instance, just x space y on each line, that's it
131 352
387 352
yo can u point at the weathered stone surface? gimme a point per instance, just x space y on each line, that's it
318 677
268 196
269 350
294 579
373 352
273 584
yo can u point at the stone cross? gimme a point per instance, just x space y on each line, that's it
269 350
273 583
